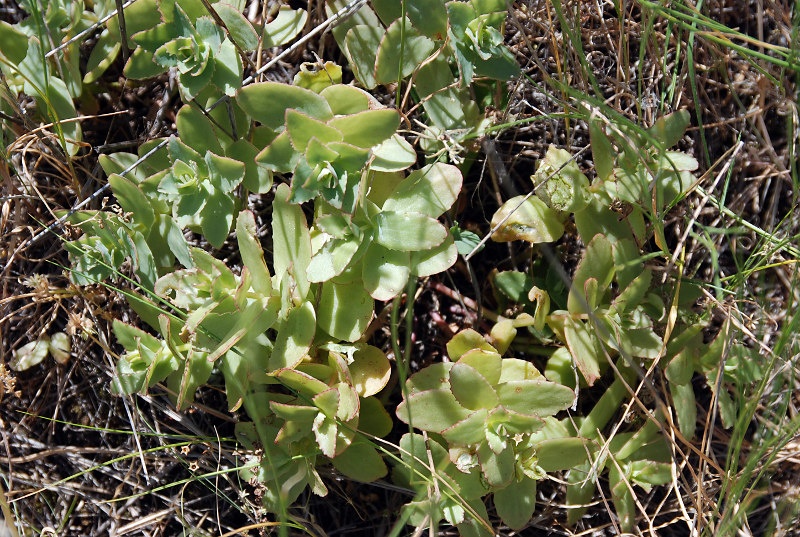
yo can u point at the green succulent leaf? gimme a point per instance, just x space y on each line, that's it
669 129
368 128
344 310
429 16
284 27
535 397
597 264
434 260
370 371
585 349
526 219
385 271
516 502
345 99
487 363
361 462
361 44
302 128
470 388
516 369
465 341
497 468
401 35
556 454
294 337
239 28
435 376
430 191
325 431
291 241
408 231
432 410
267 103
280 155
394 154
469 431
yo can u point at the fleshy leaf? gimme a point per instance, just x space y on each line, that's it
530 220
302 128
361 462
408 231
344 99
385 271
345 310
470 388
535 397
516 502
465 341
400 36
294 338
487 363
432 410
431 191
583 345
393 155
267 103
370 370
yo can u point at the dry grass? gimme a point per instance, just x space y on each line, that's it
78 461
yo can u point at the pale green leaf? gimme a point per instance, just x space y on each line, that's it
408 231
239 28
394 154
345 310
345 99
284 27
431 410
361 462
267 103
385 271
470 388
530 220
535 397
401 36
516 502
294 338
362 43
584 347
431 191
369 370
368 128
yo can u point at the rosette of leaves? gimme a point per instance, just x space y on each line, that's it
327 401
486 408
201 42
642 458
149 360
433 36
373 223
326 139
108 241
53 83
597 322
200 190
191 43
443 492
476 32
387 244
151 15
320 419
